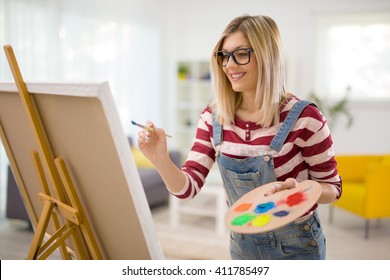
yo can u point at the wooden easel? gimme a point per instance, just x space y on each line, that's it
61 204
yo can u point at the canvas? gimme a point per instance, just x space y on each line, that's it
83 127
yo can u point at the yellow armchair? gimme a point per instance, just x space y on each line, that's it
366 186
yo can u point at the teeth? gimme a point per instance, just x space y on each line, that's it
236 76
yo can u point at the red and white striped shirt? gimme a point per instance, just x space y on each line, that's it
306 154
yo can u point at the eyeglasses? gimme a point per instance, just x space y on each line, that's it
240 56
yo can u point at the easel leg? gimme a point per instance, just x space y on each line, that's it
40 230
58 239
41 175
75 202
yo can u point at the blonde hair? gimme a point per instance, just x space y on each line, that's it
264 37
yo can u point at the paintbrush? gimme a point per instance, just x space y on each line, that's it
148 128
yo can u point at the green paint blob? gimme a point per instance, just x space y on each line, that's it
242 219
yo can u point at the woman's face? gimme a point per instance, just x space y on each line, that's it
242 77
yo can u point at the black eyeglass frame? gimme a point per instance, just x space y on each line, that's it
231 54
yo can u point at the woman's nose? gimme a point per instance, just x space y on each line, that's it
231 62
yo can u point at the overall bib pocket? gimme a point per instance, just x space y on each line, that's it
243 183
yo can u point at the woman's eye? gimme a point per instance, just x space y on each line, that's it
242 54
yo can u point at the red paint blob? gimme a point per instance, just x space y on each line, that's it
295 198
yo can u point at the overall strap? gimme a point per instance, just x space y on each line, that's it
278 140
217 132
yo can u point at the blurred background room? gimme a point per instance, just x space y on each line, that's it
155 55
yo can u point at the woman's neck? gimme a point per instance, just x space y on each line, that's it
248 110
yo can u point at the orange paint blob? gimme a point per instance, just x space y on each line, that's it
243 207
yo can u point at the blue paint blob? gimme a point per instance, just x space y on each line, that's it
282 213
264 207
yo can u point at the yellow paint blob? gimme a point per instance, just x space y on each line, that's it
261 220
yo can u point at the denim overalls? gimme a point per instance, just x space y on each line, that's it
297 240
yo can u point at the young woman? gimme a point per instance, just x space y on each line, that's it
257 133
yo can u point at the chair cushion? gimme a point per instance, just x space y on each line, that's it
353 198
353 168
386 159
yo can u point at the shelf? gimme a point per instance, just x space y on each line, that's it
210 202
197 211
193 93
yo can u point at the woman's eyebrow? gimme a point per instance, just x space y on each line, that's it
236 48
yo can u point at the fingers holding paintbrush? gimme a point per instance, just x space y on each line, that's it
152 143
148 128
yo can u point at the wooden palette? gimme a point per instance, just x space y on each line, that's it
255 213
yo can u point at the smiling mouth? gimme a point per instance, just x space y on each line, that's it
236 76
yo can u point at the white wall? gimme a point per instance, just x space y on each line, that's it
370 132
191 28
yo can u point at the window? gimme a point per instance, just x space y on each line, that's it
354 56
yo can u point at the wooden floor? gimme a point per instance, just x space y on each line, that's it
196 238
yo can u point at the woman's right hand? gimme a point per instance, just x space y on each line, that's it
153 144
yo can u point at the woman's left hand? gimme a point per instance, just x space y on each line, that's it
279 186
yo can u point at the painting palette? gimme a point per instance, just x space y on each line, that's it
255 213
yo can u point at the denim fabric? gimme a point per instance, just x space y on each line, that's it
294 241
240 176
278 140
